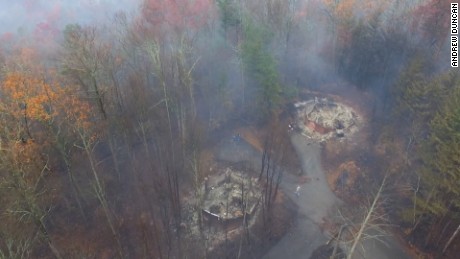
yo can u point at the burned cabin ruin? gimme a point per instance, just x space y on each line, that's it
230 197
322 119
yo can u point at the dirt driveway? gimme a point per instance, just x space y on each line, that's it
315 200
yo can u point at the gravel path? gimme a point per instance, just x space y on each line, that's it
315 200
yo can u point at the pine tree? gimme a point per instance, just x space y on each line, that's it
441 173
261 67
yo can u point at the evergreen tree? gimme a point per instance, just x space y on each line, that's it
419 97
261 67
441 172
230 15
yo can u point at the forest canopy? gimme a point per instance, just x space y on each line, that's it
107 125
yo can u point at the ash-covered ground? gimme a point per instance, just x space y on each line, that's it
322 119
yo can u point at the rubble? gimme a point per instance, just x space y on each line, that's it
322 119
225 200
229 194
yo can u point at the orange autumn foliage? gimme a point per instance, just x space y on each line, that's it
34 115
25 97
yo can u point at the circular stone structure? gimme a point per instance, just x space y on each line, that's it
230 196
322 119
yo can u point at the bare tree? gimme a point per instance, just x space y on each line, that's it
15 249
371 216
26 204
371 226
273 159
88 145
84 58
452 237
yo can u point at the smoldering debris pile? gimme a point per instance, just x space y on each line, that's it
227 201
230 195
322 119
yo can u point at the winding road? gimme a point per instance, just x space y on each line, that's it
316 202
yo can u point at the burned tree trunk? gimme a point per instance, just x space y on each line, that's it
452 237
367 220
